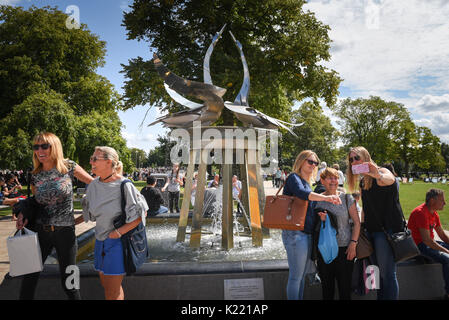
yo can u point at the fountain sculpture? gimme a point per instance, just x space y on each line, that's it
206 114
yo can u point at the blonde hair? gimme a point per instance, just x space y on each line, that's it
328 172
56 153
353 179
300 159
111 154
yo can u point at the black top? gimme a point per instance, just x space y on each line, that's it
153 196
382 208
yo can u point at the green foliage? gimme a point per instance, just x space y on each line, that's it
283 46
160 155
139 158
100 129
386 130
48 83
316 134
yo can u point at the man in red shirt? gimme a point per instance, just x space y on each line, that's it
423 221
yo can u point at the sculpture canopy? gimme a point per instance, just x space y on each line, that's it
211 95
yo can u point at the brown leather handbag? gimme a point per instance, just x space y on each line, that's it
284 212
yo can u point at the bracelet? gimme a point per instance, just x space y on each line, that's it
119 234
355 241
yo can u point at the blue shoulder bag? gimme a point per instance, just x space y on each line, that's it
134 242
327 242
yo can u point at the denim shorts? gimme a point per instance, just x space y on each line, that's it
108 257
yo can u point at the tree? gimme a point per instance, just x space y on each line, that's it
371 123
445 154
428 154
100 129
316 134
283 46
139 157
38 112
160 155
48 83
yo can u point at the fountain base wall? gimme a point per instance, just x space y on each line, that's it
205 281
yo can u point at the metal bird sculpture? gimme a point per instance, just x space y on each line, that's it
211 95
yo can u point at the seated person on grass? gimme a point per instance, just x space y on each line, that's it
423 220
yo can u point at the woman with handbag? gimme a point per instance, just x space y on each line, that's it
381 213
298 244
102 204
51 184
340 269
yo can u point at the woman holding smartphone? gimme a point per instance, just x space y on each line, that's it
381 212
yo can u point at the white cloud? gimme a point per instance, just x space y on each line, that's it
431 104
9 2
395 49
142 140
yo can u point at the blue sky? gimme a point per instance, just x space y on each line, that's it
395 49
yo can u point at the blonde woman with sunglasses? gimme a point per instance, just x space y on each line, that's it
298 244
51 184
102 204
381 211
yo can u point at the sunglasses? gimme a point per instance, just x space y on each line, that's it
94 159
311 162
43 146
355 158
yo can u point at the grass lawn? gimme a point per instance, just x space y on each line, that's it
410 195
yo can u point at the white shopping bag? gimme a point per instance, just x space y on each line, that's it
24 253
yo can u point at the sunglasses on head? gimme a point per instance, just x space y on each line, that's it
94 159
311 162
43 146
355 158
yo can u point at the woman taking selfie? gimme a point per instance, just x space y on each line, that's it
381 211
102 204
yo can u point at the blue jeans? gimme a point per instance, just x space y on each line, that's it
298 246
439 257
161 209
383 256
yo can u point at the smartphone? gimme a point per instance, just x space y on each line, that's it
360 168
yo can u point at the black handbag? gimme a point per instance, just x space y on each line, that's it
402 243
134 242
30 210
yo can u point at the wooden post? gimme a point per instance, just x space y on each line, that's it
184 214
227 234
256 228
245 192
261 191
195 234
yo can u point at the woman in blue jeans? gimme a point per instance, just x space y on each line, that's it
381 213
298 244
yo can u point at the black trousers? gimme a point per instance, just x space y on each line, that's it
339 270
64 241
173 199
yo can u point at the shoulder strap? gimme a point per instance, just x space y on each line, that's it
122 191
283 185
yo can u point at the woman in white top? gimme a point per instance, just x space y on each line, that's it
102 204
